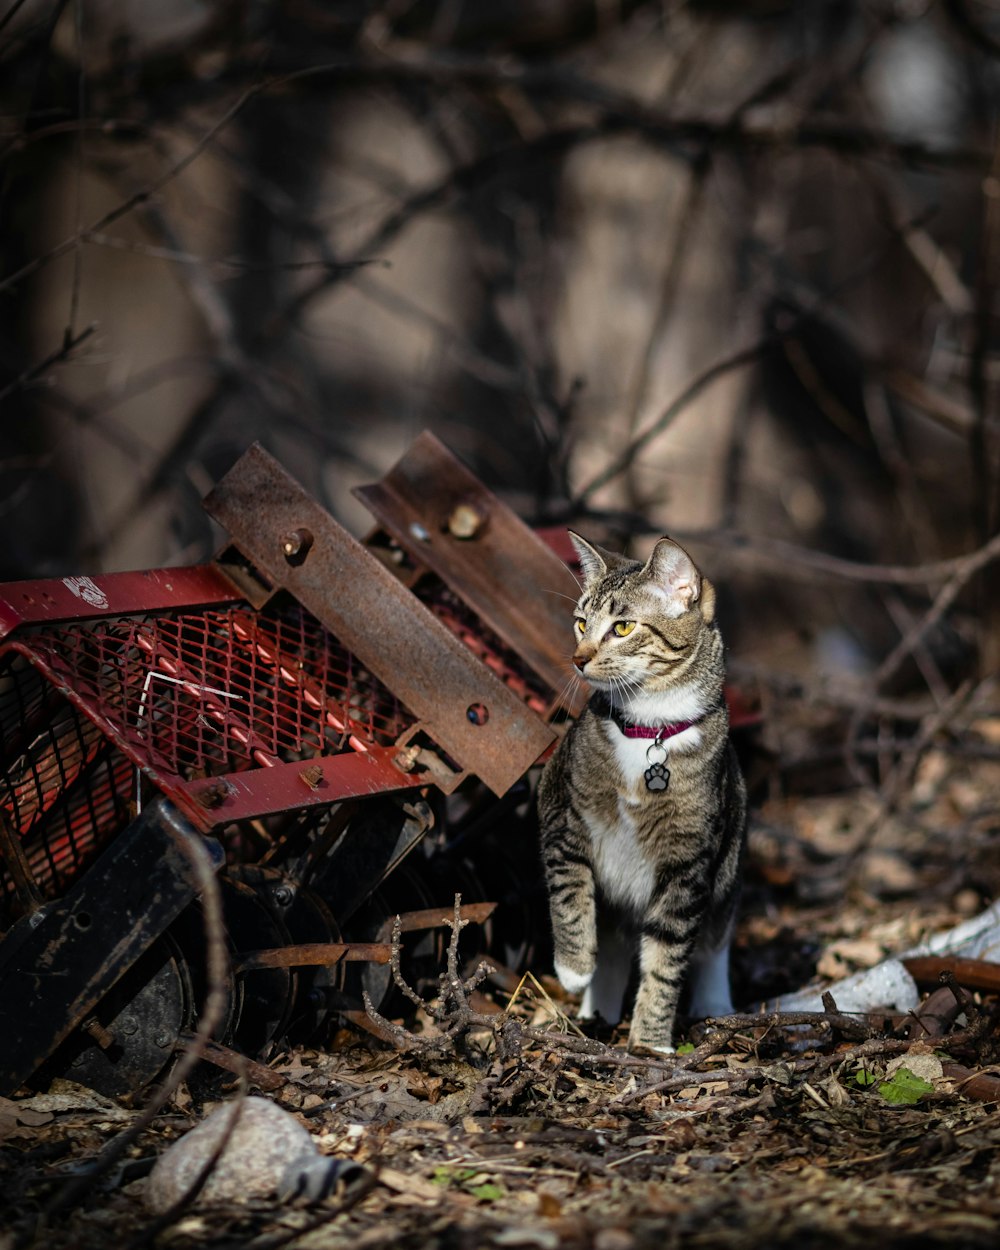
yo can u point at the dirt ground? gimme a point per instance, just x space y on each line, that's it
821 1131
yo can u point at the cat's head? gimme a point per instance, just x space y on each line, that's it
642 627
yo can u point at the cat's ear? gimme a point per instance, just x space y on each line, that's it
595 562
672 571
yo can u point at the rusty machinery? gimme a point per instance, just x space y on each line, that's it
300 707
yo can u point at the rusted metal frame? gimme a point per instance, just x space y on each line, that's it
53 974
168 783
230 722
318 843
85 776
243 795
297 679
29 724
50 600
18 869
48 797
347 872
323 779
258 1074
61 808
314 954
446 519
394 636
435 918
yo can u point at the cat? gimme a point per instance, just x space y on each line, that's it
642 807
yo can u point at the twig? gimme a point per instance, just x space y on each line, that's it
217 976
69 344
738 360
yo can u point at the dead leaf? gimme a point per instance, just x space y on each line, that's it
549 1205
412 1187
18 1123
67 1096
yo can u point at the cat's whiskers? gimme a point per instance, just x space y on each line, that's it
573 680
621 685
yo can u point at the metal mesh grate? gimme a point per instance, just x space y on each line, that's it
198 694
63 786
499 658
189 695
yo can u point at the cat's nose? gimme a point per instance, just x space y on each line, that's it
581 661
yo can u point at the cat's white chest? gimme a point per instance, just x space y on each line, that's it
620 866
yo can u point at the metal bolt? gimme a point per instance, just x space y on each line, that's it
283 895
162 1040
465 521
128 1025
213 795
98 1032
406 759
296 544
312 776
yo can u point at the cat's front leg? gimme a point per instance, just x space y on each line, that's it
569 876
662 964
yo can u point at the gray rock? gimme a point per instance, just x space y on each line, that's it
264 1146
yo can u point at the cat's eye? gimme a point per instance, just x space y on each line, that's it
622 628
581 624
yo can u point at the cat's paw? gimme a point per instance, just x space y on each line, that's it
572 982
648 1048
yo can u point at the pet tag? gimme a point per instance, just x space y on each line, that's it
657 774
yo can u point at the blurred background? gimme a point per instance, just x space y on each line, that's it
723 270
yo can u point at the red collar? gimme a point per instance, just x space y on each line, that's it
655 731
602 707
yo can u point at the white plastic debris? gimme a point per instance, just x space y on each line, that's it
978 938
268 1152
888 984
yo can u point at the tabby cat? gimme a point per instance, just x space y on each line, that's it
643 806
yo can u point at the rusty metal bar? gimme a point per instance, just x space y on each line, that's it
49 600
449 521
286 787
461 705
435 918
313 955
258 1074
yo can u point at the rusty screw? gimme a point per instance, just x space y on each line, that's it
98 1032
296 545
406 759
312 776
214 795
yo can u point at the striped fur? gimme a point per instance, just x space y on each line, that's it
665 864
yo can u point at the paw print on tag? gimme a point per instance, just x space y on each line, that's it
657 777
